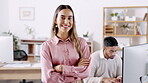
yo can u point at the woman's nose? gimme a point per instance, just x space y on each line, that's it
66 21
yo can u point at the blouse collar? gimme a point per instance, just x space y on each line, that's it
57 40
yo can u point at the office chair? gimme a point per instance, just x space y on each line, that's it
24 81
21 55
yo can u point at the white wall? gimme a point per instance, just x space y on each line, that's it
4 16
88 15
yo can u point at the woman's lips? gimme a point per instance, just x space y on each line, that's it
65 27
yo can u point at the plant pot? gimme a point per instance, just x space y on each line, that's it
30 36
86 38
114 18
124 31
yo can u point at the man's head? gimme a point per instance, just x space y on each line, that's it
110 47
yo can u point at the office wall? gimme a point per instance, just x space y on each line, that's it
4 16
89 16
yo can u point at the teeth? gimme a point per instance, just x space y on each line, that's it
65 26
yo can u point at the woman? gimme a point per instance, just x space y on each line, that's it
65 57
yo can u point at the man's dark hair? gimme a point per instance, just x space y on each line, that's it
110 41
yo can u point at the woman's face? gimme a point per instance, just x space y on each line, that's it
64 20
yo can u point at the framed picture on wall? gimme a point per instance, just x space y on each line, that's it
27 13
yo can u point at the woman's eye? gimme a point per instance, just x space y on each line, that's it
70 18
63 18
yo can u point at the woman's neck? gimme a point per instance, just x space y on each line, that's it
63 36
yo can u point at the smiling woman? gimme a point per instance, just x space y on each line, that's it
64 22
65 57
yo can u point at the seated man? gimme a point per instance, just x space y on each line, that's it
105 65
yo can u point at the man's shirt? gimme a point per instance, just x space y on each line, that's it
101 67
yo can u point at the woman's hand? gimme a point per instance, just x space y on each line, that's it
83 62
58 68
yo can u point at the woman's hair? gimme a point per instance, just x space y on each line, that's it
72 32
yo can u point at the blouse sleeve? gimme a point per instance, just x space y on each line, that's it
78 71
48 73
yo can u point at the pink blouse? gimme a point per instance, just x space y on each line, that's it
58 52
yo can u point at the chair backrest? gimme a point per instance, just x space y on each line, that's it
20 55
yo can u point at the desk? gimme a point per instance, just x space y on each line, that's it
15 73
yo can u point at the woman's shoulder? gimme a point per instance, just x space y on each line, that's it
81 39
48 41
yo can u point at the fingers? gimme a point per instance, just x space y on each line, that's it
83 62
119 80
106 80
110 80
115 80
58 68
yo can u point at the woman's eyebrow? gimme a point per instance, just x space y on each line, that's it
62 15
65 16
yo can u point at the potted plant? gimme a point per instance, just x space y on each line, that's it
125 28
114 16
85 36
30 32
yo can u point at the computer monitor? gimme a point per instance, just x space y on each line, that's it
135 63
6 49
